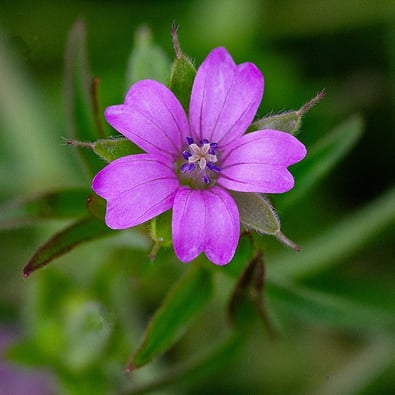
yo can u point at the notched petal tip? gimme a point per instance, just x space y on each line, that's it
151 117
205 221
225 97
137 188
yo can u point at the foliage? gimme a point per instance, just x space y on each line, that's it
323 318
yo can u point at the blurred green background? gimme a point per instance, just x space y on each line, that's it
80 319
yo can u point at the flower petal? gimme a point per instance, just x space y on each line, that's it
225 98
151 117
137 188
205 221
258 162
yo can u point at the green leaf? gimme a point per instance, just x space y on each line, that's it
204 364
147 61
322 157
334 310
96 206
80 107
331 247
114 148
56 204
182 303
84 230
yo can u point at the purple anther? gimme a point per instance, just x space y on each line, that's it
189 140
186 155
213 167
206 179
204 141
212 149
187 167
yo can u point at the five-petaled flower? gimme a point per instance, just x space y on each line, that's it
191 161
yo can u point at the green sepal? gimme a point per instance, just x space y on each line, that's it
258 214
182 74
147 60
290 121
160 231
183 302
114 148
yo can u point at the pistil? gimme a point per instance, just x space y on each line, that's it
201 158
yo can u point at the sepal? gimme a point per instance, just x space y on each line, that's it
257 213
289 121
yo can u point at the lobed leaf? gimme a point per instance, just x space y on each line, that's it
182 303
84 230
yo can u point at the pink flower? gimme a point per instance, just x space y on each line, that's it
190 162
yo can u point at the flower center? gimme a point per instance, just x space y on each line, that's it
200 160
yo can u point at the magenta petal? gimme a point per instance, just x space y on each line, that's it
137 188
151 117
225 98
258 162
205 221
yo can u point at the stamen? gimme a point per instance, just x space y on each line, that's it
187 167
186 155
213 167
201 157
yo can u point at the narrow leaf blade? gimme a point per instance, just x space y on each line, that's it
337 311
68 203
322 158
79 97
183 302
84 230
